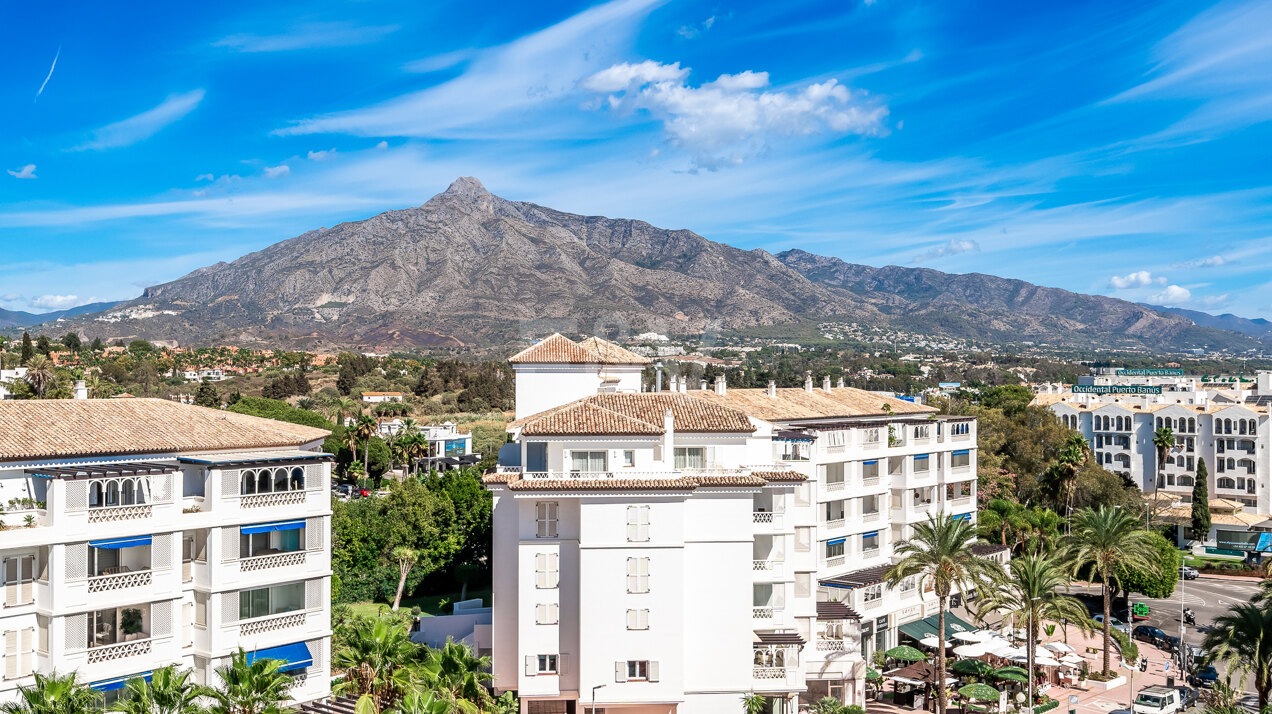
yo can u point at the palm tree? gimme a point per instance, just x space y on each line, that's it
458 674
406 558
1073 455
1242 638
372 660
40 374
167 692
53 694
256 687
1105 539
940 555
341 406
365 429
1164 441
1029 595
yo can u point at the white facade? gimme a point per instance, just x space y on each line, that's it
680 569
114 567
543 386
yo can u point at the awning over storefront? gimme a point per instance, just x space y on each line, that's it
270 527
294 656
117 543
927 626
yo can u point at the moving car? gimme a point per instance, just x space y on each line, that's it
1187 573
1187 696
1206 676
1148 633
1170 643
1158 700
1114 623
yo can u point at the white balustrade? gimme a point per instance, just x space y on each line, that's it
119 581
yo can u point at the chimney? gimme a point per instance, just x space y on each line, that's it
81 390
720 387
702 385
840 383
826 383
669 440
684 384
808 381
772 389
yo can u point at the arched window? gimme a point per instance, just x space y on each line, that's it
1185 480
280 479
1241 427
264 481
298 479
1192 425
112 493
1231 464
127 496
1226 482
248 480
1159 423
96 497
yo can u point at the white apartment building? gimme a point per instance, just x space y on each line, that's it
144 532
675 551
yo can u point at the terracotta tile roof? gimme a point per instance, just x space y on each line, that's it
633 414
559 349
50 428
789 475
795 403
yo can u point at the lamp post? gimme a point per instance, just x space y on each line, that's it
594 697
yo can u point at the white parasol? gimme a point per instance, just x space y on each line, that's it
1060 647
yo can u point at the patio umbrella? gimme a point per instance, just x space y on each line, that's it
968 637
930 641
973 667
976 690
1015 674
1047 661
873 675
972 650
1060 647
1072 659
905 653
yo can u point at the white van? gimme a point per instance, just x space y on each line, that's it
1157 700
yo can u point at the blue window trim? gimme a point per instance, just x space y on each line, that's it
117 543
836 541
270 527
962 452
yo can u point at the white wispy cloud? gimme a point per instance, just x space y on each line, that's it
437 63
277 171
1137 279
690 32
951 247
321 155
1172 296
1213 261
48 76
204 177
55 302
144 125
308 36
540 67
26 172
726 121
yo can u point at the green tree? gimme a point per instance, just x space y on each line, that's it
1242 639
41 374
1201 503
940 555
1103 540
53 694
140 348
168 692
346 379
256 687
207 396
341 407
373 655
44 345
364 429
1159 582
458 674
280 410
406 558
1163 442
97 345
72 341
28 349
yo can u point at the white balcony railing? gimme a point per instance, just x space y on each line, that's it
272 624
108 653
835 486
119 581
870 481
114 514
835 523
870 552
766 518
772 672
766 565
627 474
762 613
831 646
281 498
835 562
870 517
273 560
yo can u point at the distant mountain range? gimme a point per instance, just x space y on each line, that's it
18 318
470 268
1257 327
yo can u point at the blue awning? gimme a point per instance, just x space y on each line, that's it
294 656
867 463
963 452
269 527
835 541
110 685
923 457
117 543
869 534
962 516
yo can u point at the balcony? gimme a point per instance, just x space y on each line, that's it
121 650
835 524
835 486
763 612
274 560
835 562
870 517
647 475
272 624
116 514
119 581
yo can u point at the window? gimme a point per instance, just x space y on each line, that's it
272 480
547 574
835 511
834 474
870 436
835 548
637 524
871 593
19 653
963 428
638 575
961 459
803 538
869 505
958 489
636 670
545 516
908 584
881 634
629 459
273 600
870 541
690 457
836 437
638 619
547 613
870 469
803 584
19 578
547 664
921 463
587 461
268 543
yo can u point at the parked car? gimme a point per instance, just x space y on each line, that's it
1148 633
1170 643
1114 623
1206 676
1187 696
1187 573
1158 700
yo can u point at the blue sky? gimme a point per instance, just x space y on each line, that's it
1112 148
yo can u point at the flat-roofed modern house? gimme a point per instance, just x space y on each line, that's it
144 532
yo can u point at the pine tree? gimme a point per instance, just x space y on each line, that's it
207 396
44 345
346 379
302 383
72 342
28 349
1201 503
97 344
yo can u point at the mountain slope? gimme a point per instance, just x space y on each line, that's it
18 318
468 267
1257 327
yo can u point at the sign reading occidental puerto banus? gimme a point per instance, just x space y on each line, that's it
1116 389
1156 372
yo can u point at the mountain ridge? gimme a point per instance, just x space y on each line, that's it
470 268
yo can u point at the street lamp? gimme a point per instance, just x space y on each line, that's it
594 697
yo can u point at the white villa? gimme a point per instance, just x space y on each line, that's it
674 551
144 532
